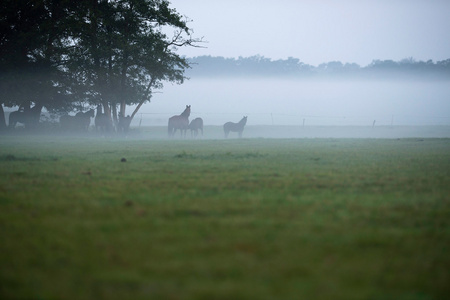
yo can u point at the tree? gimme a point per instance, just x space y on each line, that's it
63 54
32 42
121 51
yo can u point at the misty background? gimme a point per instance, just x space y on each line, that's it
314 63
285 63
289 92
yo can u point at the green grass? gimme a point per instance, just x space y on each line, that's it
224 219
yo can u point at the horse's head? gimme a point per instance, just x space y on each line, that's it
187 111
244 120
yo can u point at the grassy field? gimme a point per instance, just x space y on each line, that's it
224 219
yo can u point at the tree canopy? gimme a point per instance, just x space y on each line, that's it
65 55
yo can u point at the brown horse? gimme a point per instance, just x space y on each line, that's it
103 123
235 127
26 116
84 119
195 125
179 122
124 123
80 121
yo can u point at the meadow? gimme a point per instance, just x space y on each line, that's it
113 218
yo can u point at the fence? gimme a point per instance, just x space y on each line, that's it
216 119
210 118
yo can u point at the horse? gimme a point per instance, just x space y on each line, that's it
84 119
80 121
124 123
102 121
235 127
25 116
67 122
18 117
179 122
195 125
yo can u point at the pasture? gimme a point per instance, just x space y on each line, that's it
224 219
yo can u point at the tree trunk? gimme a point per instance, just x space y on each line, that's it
2 118
114 113
107 113
123 107
106 109
147 92
136 109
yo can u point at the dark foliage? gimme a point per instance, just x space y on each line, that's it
65 55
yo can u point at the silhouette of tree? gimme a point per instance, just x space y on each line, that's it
123 52
32 42
64 54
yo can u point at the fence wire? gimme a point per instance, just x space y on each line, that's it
213 118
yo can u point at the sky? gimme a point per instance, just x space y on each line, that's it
318 31
315 32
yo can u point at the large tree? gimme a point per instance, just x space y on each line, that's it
33 40
122 51
63 54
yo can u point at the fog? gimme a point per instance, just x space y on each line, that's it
304 102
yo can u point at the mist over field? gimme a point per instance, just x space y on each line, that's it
304 102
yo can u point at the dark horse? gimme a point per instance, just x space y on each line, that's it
179 122
124 123
27 116
102 121
235 127
80 121
195 125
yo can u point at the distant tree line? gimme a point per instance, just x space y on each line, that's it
293 67
68 55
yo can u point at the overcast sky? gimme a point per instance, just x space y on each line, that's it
317 31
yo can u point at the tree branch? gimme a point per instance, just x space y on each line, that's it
147 92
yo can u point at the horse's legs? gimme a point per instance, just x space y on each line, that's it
175 130
169 130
